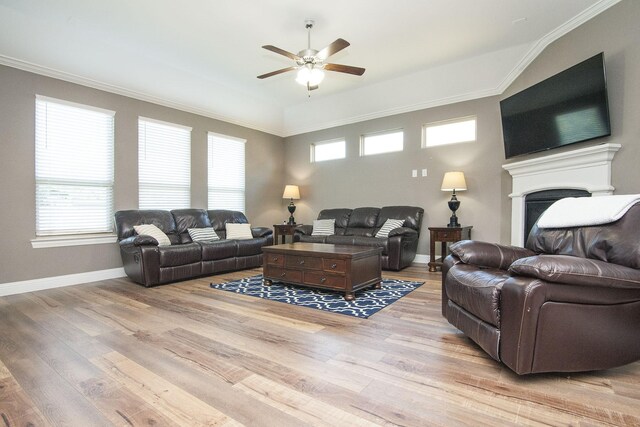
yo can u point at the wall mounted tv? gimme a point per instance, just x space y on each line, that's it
564 109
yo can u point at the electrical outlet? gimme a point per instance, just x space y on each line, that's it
414 173
424 172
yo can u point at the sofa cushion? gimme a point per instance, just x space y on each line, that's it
206 234
312 239
360 241
125 220
238 231
389 225
341 216
176 255
153 231
477 290
362 222
189 218
412 216
220 217
220 249
251 246
323 227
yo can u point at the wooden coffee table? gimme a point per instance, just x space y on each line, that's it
318 265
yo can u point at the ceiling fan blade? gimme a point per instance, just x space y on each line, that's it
334 47
273 73
344 69
281 52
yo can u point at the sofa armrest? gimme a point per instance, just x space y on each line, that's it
403 231
571 270
139 240
261 231
487 254
306 229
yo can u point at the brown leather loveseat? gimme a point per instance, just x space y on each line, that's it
359 227
569 301
149 264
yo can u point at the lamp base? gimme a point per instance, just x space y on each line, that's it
454 204
453 222
292 209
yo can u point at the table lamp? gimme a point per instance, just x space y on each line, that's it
453 181
291 192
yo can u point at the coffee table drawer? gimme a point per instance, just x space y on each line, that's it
276 273
274 259
306 262
324 280
335 265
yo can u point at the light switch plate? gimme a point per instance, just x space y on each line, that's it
414 173
424 172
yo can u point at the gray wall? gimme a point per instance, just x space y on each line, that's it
615 32
19 261
385 179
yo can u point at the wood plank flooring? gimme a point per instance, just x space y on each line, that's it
115 353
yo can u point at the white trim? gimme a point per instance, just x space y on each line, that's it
421 259
72 240
118 90
12 288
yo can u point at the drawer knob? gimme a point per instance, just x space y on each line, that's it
301 261
322 280
283 274
275 258
334 265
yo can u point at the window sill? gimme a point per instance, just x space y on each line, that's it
72 240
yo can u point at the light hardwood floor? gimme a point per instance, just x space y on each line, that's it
115 353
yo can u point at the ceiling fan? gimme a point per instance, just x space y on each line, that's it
310 62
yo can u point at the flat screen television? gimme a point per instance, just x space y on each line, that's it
564 109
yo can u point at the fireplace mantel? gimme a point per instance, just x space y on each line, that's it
583 169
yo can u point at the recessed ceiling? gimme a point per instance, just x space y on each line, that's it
204 56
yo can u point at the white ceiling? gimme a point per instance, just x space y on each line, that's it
204 55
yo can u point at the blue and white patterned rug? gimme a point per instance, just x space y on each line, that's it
368 301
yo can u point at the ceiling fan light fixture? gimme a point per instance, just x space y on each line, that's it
309 76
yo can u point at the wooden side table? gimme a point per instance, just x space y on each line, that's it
445 235
283 230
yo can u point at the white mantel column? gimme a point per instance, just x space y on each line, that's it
583 169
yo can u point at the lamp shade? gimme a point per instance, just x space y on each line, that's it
454 181
309 75
291 192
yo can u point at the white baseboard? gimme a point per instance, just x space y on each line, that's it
12 288
421 259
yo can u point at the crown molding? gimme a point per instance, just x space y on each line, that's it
118 90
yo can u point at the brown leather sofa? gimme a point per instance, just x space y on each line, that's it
148 264
359 226
569 301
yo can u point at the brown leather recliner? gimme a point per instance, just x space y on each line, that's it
568 302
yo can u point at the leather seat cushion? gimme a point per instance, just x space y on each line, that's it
313 239
477 290
251 246
220 249
360 241
175 255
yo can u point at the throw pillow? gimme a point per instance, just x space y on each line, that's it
324 227
389 225
238 231
206 234
153 231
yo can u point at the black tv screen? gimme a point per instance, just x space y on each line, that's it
564 109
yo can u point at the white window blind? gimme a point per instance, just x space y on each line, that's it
328 150
383 142
164 165
74 168
226 172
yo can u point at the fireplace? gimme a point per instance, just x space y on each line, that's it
537 202
587 169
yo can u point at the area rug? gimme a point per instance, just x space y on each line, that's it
368 301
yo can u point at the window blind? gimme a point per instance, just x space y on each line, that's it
226 172
164 165
74 168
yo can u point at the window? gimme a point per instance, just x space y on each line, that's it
164 165
226 172
383 142
449 132
74 168
328 150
